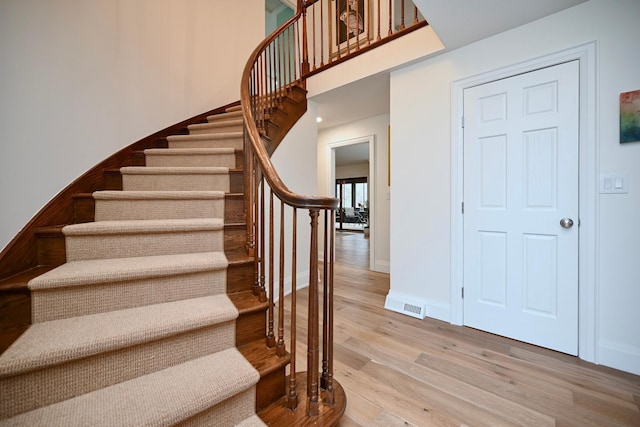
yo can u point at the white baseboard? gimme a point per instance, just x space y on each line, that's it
619 356
439 310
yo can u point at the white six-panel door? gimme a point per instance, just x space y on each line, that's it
520 198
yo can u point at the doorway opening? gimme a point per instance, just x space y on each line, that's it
353 210
352 179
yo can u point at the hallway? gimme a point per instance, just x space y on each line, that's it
352 249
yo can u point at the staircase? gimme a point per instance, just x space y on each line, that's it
151 307
152 319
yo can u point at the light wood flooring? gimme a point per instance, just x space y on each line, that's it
401 371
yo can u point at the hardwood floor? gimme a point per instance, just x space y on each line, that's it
401 371
352 249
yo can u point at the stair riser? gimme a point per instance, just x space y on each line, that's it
250 327
236 181
41 388
235 238
180 160
236 143
83 209
270 388
118 210
240 277
51 250
142 244
234 208
194 182
113 180
61 303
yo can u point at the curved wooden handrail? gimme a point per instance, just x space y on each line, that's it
269 171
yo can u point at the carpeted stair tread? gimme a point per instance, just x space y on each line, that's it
138 205
218 138
176 170
138 238
203 128
225 116
234 108
59 341
80 288
141 178
191 157
143 226
158 195
79 273
192 151
205 136
161 398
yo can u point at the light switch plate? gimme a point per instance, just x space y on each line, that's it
614 183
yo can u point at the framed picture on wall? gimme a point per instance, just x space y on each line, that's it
352 24
630 116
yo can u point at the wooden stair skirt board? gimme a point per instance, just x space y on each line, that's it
149 319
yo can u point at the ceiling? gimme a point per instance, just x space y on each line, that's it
457 23
352 154
358 100
460 22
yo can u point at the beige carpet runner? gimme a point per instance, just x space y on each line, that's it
136 328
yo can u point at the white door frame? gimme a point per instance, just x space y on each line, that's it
331 158
588 187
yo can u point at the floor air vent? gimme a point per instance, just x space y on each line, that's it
405 305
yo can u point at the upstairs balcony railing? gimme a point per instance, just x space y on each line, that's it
321 34
338 30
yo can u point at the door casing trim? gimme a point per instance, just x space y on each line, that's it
588 187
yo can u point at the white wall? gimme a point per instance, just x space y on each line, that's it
411 47
377 126
420 157
80 80
295 160
353 171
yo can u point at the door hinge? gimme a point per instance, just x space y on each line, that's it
462 289
462 206
462 122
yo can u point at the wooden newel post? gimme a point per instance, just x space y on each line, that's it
313 393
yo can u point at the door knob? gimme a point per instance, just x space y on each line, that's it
566 223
